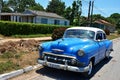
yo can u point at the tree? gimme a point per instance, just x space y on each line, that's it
84 21
118 24
20 5
76 12
111 20
37 7
67 13
73 13
115 16
4 7
56 6
1 4
97 17
115 19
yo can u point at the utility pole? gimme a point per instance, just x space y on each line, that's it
92 13
1 3
89 10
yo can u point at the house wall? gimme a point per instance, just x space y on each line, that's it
51 21
111 28
15 18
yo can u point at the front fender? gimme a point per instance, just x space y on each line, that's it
90 52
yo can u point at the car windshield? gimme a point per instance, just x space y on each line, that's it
74 33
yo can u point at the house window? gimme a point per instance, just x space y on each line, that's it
57 22
65 23
44 20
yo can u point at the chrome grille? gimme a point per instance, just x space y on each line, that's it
60 59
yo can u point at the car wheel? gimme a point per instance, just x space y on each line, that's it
88 73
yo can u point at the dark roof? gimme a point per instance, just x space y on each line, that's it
35 13
46 14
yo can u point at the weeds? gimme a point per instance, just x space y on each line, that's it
8 66
8 55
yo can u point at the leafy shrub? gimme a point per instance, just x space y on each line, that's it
58 33
15 28
118 31
107 32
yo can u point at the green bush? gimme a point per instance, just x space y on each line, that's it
118 31
15 28
58 33
107 32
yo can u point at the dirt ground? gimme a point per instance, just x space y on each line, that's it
22 45
23 52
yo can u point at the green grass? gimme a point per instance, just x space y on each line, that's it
8 66
31 36
8 61
113 36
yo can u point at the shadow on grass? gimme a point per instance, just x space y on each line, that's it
68 75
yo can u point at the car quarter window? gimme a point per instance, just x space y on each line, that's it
99 36
104 36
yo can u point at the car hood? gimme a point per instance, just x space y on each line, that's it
69 46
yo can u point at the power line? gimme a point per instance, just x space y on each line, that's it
100 10
96 7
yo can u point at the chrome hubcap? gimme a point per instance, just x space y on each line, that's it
90 68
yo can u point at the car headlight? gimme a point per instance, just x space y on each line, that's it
40 47
81 53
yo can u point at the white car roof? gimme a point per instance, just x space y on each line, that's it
87 28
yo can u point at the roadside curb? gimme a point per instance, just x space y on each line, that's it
18 72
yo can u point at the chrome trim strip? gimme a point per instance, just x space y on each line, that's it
59 55
64 67
59 50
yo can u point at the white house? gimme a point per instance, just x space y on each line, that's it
32 16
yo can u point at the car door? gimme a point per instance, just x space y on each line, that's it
101 44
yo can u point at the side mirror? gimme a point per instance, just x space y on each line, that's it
98 40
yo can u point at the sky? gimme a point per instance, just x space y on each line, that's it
103 7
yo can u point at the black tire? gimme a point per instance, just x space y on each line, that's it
88 73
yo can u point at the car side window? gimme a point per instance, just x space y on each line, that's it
99 36
104 35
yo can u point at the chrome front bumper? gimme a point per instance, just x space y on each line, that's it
64 67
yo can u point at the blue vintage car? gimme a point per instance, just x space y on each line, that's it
79 50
